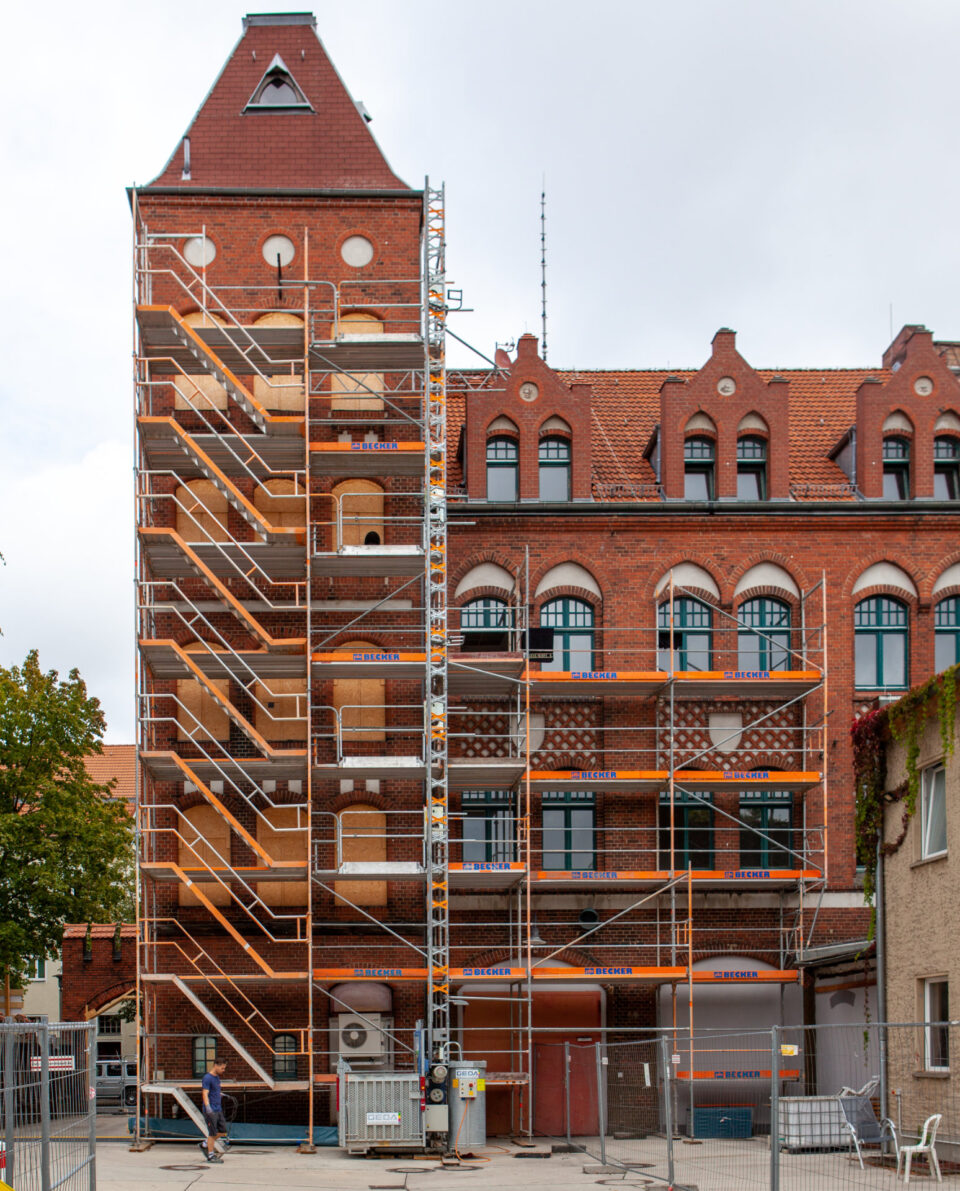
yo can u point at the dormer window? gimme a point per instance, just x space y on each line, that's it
277 89
751 469
698 469
896 469
946 468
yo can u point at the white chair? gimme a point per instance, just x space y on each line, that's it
924 1146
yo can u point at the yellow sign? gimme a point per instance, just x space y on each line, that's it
789 1048
481 1085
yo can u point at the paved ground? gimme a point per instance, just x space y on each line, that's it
176 1167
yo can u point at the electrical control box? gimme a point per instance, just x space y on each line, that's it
467 1088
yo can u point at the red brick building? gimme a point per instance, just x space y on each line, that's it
416 718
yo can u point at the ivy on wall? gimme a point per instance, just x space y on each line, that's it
902 723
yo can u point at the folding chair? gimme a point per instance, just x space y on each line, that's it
925 1145
863 1127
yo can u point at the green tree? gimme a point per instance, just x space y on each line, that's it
66 849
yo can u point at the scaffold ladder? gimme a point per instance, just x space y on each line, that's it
435 528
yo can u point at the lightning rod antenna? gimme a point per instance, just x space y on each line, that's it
543 271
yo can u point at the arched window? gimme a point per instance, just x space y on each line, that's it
486 624
763 640
946 639
201 512
751 468
880 630
572 624
503 457
282 832
282 503
284 1056
554 456
361 703
204 843
200 717
692 633
281 391
896 468
361 512
357 390
946 468
363 842
698 466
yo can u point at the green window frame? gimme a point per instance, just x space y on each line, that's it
751 468
572 622
763 636
692 635
946 468
203 1053
896 468
486 615
503 468
946 633
693 838
488 831
284 1056
554 461
766 829
568 838
699 461
881 644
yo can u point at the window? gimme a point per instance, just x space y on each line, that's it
692 831
36 969
204 1052
946 636
572 624
568 832
766 818
880 631
109 1023
751 469
896 469
946 468
933 812
284 1056
936 1009
763 640
554 469
502 461
698 469
692 625
277 89
488 826
486 624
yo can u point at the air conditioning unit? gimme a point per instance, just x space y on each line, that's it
362 1037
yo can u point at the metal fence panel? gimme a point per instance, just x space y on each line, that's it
47 1111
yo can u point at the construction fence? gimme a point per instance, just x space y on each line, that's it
47 1107
800 1108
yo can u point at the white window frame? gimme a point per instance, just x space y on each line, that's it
38 971
927 804
928 1064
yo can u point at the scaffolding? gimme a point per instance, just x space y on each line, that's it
294 643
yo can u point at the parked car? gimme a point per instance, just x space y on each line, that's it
117 1082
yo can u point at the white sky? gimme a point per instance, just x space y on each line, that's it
785 168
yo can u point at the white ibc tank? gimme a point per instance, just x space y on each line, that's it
467 1097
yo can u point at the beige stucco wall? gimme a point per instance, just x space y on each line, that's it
921 910
42 997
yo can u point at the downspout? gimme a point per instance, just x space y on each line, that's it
878 893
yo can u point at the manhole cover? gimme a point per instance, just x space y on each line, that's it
195 1166
411 1169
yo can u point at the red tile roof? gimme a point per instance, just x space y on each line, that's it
116 761
328 147
99 930
626 408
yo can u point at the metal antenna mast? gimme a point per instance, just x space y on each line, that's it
543 271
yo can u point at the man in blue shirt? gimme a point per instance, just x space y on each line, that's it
213 1110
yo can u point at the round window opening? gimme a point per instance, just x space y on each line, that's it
357 251
199 251
281 247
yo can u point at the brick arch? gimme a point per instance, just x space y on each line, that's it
572 556
554 431
898 431
499 955
698 560
502 430
107 996
933 573
791 565
500 557
868 560
355 797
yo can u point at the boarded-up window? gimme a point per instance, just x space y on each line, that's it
284 837
360 702
343 384
280 710
280 504
361 512
199 715
200 392
281 392
201 512
363 841
204 840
